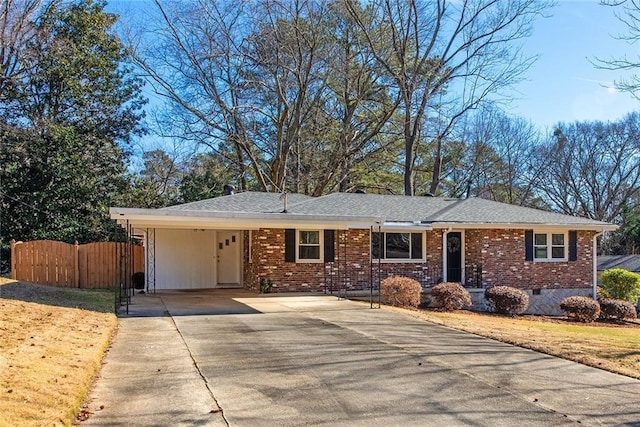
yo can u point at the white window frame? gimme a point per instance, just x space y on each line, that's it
399 260
320 244
550 246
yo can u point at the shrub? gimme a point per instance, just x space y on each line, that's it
602 293
584 309
451 296
265 286
507 300
621 284
400 291
617 309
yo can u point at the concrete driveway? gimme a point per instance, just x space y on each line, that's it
236 358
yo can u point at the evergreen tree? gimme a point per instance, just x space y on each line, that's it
73 111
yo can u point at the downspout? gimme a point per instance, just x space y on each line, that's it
444 253
595 264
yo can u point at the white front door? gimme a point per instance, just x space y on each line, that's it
228 258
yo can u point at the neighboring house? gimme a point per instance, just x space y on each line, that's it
349 241
627 262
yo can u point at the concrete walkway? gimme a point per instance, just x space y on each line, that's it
235 358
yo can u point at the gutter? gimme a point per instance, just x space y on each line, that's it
525 226
156 218
595 263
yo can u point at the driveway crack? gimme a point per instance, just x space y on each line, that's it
218 408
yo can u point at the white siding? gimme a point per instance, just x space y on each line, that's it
185 259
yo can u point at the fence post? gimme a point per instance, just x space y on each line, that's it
76 265
13 259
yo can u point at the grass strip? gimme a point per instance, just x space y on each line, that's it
52 341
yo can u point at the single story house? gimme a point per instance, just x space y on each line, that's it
350 241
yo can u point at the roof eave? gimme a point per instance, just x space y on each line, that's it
526 226
153 218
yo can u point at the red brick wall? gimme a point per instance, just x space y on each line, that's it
503 262
351 270
267 262
496 257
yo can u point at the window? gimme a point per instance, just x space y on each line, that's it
309 245
397 246
549 246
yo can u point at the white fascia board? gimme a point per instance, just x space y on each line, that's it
153 218
527 226
406 226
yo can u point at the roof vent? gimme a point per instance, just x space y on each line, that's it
360 191
228 189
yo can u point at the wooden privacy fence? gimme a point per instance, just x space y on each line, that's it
92 266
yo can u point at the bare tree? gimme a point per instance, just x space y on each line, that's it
593 168
445 56
358 104
501 160
628 13
193 58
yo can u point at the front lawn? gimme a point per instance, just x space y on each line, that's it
614 347
51 345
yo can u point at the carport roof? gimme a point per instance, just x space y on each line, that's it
343 210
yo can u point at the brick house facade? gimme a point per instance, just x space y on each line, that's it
492 257
350 242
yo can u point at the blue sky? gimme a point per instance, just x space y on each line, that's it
563 86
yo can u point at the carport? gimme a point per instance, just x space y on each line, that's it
188 247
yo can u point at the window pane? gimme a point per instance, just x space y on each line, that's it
416 246
309 252
541 252
541 240
309 237
557 252
557 239
375 245
397 245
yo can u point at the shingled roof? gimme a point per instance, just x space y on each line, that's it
249 201
627 262
434 211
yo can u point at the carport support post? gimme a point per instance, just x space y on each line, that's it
13 259
379 273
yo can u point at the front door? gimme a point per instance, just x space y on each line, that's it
454 257
228 258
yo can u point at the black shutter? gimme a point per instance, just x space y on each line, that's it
290 245
573 245
329 245
528 245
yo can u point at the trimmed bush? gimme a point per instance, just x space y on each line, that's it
584 309
451 296
507 300
400 291
617 309
601 293
621 284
